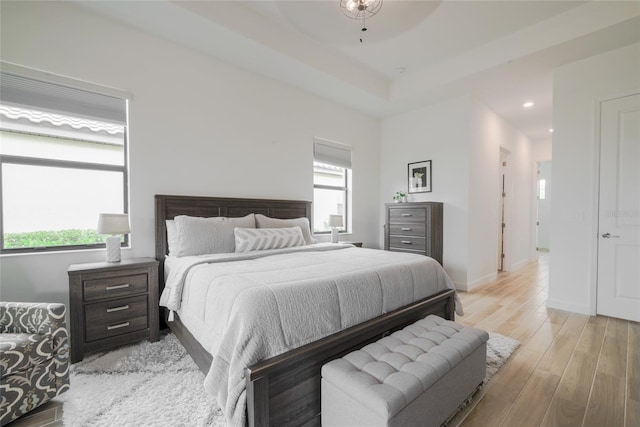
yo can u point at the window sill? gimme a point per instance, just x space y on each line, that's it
67 251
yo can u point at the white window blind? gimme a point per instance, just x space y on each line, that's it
332 153
25 92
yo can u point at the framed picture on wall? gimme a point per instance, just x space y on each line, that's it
419 177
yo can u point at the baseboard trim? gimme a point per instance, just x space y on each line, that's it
520 264
568 306
465 287
460 286
481 281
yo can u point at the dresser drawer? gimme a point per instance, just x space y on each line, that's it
115 286
407 229
106 319
407 242
407 214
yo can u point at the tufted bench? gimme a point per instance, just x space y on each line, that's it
417 376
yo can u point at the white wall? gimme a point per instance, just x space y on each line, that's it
578 88
488 134
197 126
463 138
484 136
541 150
437 133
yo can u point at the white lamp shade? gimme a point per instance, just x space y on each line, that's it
113 224
335 221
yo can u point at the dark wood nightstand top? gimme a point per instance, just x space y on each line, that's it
105 266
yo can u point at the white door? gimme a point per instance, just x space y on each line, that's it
619 216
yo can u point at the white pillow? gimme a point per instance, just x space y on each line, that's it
257 239
172 237
201 236
263 221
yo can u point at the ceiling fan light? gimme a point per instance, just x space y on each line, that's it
360 9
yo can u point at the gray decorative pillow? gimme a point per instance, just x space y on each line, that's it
257 239
263 221
201 236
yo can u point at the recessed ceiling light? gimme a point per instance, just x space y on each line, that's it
401 70
528 104
551 130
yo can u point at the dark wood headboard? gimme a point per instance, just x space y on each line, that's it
168 207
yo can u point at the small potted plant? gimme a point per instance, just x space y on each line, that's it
400 197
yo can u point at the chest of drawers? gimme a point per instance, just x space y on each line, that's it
111 304
415 228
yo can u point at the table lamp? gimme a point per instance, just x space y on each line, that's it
335 222
114 224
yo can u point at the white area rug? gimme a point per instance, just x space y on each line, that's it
157 384
499 349
148 384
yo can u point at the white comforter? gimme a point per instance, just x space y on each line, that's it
258 305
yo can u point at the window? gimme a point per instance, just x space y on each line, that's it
62 162
542 189
331 185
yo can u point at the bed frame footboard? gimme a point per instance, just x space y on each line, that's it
285 390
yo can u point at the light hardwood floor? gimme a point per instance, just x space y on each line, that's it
570 369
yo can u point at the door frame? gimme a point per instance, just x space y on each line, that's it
535 216
508 189
595 238
534 201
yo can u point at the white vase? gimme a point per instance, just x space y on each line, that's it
334 235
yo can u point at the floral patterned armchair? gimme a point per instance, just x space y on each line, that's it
34 356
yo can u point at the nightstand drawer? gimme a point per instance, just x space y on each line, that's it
107 319
407 214
115 286
406 242
407 229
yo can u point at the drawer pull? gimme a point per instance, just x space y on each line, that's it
118 326
114 287
405 214
123 307
405 229
406 242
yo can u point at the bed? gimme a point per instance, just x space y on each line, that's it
283 389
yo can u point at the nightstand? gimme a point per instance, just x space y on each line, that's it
112 304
